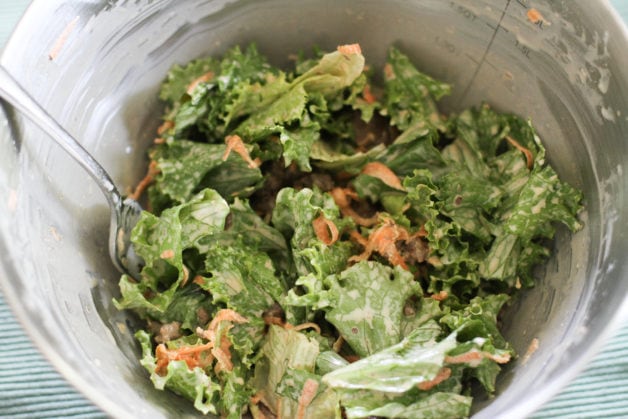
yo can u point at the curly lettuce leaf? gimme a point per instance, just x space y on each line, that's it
288 360
185 167
200 94
397 368
410 95
193 384
435 405
161 242
364 302
293 216
287 109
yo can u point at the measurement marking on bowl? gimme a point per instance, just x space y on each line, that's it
532 18
483 57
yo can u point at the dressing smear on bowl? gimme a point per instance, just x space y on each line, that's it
319 245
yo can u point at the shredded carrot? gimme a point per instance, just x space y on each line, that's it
224 360
383 241
527 153
500 359
186 275
201 79
325 230
351 358
149 178
383 173
368 95
167 254
342 198
257 397
235 143
442 375
226 314
278 407
350 49
534 15
190 354
310 387
358 238
465 358
442 295
165 126
198 355
474 356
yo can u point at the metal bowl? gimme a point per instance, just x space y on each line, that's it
96 65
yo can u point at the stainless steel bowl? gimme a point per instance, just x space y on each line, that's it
96 65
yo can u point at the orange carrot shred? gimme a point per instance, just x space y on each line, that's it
235 143
441 376
342 198
223 358
383 241
310 387
466 357
146 181
165 126
475 356
201 79
534 15
382 172
167 254
226 314
350 49
527 153
442 295
325 230
368 96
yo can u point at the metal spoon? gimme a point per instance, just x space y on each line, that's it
124 212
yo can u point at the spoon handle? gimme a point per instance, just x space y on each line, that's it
12 92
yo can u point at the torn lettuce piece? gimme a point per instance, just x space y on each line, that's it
478 319
179 77
185 167
295 211
161 242
429 406
199 95
342 158
410 96
397 368
285 111
248 228
244 280
193 384
414 149
542 202
364 302
287 362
